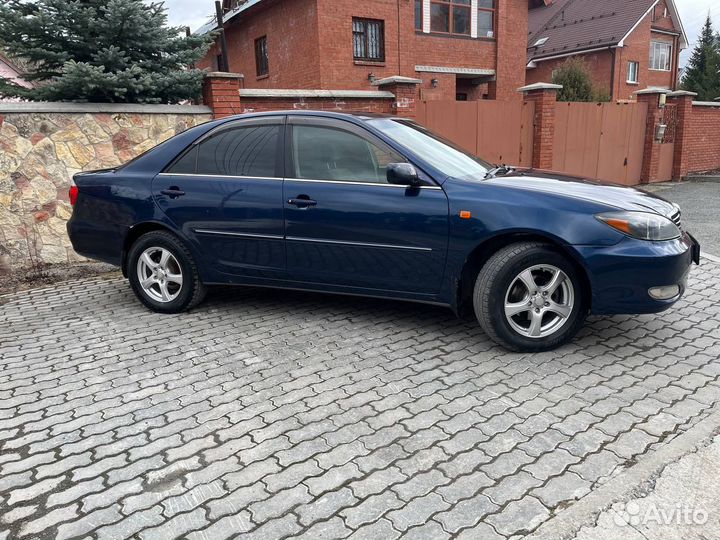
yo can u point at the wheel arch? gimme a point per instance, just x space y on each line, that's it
136 231
477 258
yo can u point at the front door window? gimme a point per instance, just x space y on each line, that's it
324 153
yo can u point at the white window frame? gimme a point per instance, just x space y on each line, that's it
657 54
633 69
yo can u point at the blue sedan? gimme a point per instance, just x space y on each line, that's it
379 206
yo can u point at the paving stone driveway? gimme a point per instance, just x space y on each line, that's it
267 414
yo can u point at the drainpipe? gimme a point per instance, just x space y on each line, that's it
398 35
612 75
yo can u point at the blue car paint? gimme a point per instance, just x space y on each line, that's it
426 221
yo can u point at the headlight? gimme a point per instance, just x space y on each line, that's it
642 225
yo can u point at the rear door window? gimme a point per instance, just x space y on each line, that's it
242 151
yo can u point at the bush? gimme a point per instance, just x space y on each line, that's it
574 77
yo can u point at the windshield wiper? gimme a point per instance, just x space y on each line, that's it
500 170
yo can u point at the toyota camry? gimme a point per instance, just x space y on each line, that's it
379 206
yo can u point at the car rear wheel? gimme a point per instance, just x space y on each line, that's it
528 297
163 274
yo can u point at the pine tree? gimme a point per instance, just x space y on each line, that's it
100 51
703 72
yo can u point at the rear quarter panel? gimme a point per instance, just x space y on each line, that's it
109 204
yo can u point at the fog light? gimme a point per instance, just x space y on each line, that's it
664 293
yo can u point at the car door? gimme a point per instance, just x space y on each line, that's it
225 194
345 225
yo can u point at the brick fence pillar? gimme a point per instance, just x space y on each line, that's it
651 151
405 90
221 92
684 102
544 95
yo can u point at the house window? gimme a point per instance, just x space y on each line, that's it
418 14
450 16
486 18
368 40
261 56
660 55
633 70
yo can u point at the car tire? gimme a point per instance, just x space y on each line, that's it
529 297
163 274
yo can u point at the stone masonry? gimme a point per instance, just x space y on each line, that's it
39 153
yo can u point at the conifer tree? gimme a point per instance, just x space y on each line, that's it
702 75
99 51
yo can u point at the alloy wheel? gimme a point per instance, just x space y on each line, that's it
159 274
539 301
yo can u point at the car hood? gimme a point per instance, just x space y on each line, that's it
621 197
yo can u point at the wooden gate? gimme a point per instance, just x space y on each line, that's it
600 140
496 131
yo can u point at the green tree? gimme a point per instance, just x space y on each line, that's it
100 51
702 75
574 77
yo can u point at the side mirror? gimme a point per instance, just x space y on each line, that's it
403 174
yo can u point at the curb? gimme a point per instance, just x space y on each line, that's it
585 511
709 257
709 178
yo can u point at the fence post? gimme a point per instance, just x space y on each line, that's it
406 94
545 97
651 153
684 102
221 92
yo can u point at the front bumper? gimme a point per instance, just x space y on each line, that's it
621 275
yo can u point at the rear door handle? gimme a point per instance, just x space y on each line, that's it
302 203
173 192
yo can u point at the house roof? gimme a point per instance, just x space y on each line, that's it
8 70
232 9
579 25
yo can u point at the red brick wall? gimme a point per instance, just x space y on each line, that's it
291 27
254 104
704 139
637 49
310 46
599 65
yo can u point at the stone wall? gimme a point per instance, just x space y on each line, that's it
43 145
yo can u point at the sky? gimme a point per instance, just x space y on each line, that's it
194 13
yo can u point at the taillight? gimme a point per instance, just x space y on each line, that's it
73 195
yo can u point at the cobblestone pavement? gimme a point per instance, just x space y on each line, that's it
267 414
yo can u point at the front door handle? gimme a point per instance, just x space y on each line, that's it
302 202
173 192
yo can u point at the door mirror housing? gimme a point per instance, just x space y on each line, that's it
402 174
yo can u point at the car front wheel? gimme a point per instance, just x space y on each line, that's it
163 274
528 297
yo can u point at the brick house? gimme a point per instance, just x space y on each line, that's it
458 49
628 45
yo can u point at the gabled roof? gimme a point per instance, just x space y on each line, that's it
580 25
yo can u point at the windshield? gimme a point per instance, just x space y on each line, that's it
441 153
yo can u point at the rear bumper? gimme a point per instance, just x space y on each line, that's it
621 275
87 240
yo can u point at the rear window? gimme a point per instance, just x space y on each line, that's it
242 151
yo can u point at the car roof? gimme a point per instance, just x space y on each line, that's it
359 115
